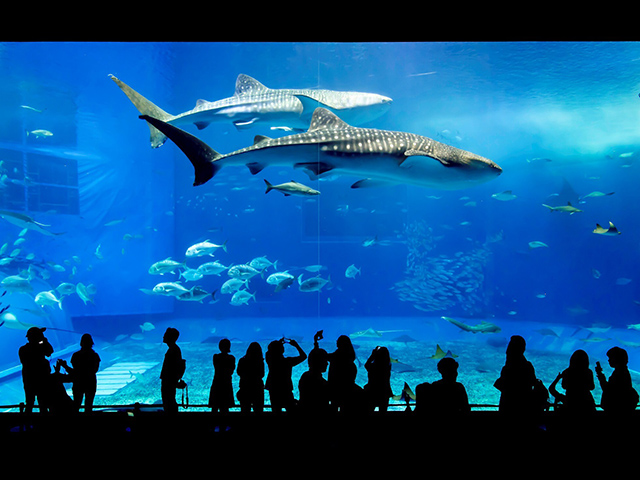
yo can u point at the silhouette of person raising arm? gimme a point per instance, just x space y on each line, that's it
313 388
35 368
279 381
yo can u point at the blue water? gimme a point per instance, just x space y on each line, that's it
561 119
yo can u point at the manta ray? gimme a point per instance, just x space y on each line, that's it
332 147
612 231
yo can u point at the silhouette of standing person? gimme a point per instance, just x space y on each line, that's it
618 394
446 396
221 392
84 366
279 382
517 380
172 370
251 372
313 388
378 388
342 374
35 368
577 381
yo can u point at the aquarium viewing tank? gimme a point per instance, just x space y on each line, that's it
434 198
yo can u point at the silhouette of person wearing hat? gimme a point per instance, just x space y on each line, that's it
35 368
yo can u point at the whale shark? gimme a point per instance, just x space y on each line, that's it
482 327
253 104
332 147
24 221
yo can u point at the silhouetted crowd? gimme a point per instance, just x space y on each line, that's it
520 390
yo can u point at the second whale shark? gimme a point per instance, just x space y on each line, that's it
332 147
253 103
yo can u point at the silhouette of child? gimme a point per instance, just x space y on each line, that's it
59 401
251 372
618 394
221 393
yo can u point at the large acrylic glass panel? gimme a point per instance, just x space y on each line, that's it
507 251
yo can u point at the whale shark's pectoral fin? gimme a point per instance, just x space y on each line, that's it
314 169
372 183
407 163
255 167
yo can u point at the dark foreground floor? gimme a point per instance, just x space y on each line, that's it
151 440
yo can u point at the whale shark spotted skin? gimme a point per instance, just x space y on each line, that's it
253 103
331 146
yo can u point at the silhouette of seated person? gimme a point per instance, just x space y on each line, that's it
221 392
35 368
84 367
445 397
251 372
313 387
279 382
578 382
344 393
618 394
517 380
378 388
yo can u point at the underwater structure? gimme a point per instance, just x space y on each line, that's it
258 191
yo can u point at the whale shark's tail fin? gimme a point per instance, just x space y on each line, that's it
202 156
146 107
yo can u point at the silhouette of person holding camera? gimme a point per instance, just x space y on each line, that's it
313 388
59 401
279 382
35 368
251 372
618 394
